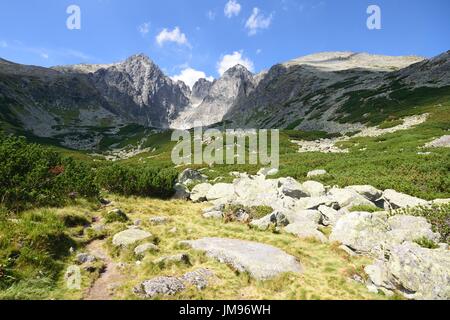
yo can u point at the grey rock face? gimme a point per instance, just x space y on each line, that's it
416 272
291 188
368 192
261 261
234 83
201 89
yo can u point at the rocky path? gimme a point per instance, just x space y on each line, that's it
103 287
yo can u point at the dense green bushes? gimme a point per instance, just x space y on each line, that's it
140 181
33 176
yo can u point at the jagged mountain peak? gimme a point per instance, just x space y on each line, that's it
237 70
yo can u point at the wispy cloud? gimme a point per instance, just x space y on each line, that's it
232 8
257 21
144 28
211 15
175 36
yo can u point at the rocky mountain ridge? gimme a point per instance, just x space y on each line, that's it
315 92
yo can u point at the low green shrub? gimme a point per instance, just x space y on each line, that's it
35 176
132 180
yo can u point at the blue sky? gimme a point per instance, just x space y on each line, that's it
206 36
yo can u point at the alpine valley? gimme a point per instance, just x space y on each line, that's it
81 106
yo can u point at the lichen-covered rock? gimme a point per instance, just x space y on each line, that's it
291 188
129 237
277 219
306 230
160 286
315 173
260 260
398 200
363 232
330 216
85 258
144 248
159 220
349 198
220 191
198 278
369 192
410 228
199 192
314 189
417 273
313 216
182 258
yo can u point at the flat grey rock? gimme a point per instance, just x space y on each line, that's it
129 237
163 286
261 261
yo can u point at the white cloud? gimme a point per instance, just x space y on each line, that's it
211 15
230 60
257 21
190 76
3 44
172 36
232 8
144 28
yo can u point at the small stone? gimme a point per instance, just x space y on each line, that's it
144 248
129 237
159 220
316 173
178 258
160 286
198 278
85 258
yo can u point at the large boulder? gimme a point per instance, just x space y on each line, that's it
199 192
300 216
130 237
189 176
261 261
347 198
313 188
398 200
313 203
363 232
220 191
307 230
291 188
369 192
409 228
256 191
416 272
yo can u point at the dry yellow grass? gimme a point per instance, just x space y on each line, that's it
327 269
